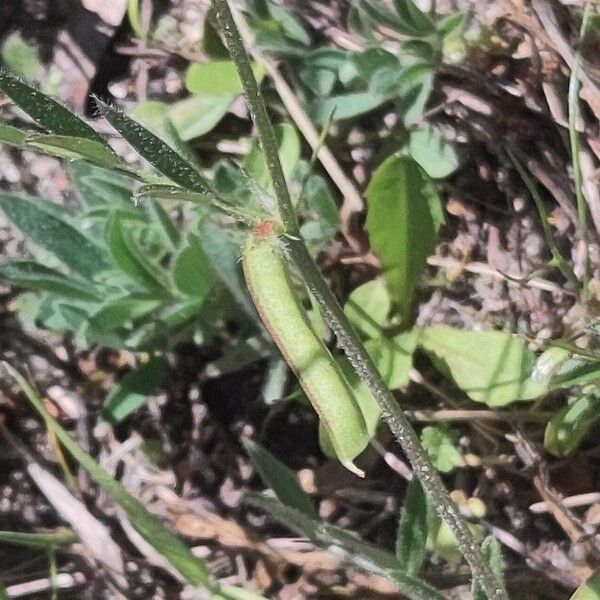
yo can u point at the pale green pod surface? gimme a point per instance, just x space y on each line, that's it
279 307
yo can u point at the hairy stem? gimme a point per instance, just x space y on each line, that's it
297 253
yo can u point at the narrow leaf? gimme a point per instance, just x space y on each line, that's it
46 112
570 426
12 136
122 311
43 225
62 537
152 530
131 258
281 480
493 553
412 529
73 148
99 187
354 550
133 390
40 278
160 155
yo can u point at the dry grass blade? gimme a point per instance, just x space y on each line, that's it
94 535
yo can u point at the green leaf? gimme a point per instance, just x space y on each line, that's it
195 116
403 220
436 156
222 246
368 307
42 224
154 115
193 570
133 16
121 311
45 111
217 78
571 425
289 154
590 590
345 106
160 155
280 479
130 257
99 187
440 443
393 357
133 390
12 136
577 371
160 192
410 14
493 367
415 85
35 276
192 273
72 148
20 57
62 537
493 554
407 18
352 549
412 529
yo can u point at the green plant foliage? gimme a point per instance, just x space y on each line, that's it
368 308
217 78
351 548
159 154
147 525
590 590
46 112
281 480
195 116
493 553
62 537
20 57
403 220
132 391
493 367
437 157
571 425
55 233
440 442
289 155
411 538
111 273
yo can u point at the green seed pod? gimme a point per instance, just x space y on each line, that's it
276 300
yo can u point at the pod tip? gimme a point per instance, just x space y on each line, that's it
353 468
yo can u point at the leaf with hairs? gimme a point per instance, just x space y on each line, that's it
45 111
44 224
37 277
159 154
281 480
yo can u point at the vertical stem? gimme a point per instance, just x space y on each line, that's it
258 110
297 253
573 103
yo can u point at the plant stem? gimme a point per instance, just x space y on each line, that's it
297 253
258 111
573 104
